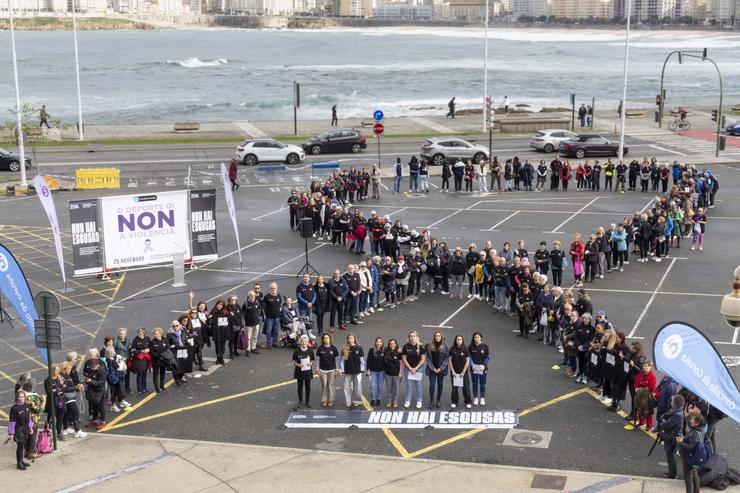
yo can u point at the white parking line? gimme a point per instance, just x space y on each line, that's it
652 298
493 228
668 150
269 213
574 215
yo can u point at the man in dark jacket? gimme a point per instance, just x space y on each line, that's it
352 279
670 425
94 378
338 293
271 304
306 296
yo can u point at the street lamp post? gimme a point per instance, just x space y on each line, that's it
662 77
485 68
81 131
624 88
721 94
18 118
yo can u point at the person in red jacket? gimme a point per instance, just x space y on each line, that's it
233 169
580 180
577 250
645 384
587 175
565 171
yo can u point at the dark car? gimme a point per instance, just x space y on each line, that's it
9 161
733 128
590 145
340 140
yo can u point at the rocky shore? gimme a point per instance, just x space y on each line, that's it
65 24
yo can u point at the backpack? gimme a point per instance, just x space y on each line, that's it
699 456
43 442
112 375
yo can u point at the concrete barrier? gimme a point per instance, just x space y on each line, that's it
530 124
187 127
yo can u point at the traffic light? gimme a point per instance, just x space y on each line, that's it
658 100
714 115
722 142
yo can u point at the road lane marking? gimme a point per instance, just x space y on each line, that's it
667 150
392 438
250 130
652 298
493 228
430 124
574 215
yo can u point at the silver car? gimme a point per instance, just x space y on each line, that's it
549 140
437 150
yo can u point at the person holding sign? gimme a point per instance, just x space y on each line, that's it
459 364
219 330
352 364
392 372
176 340
303 359
480 356
198 320
414 358
437 356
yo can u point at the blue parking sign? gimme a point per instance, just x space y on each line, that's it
378 115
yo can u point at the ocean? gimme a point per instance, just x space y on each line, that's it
233 74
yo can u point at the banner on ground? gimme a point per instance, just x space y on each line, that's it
87 255
47 201
230 206
402 419
145 229
203 224
685 354
14 286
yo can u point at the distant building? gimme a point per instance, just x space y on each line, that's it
582 9
529 8
169 7
352 8
404 11
467 9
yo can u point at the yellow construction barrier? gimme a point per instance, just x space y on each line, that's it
94 178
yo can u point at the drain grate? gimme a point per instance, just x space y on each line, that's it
548 482
526 438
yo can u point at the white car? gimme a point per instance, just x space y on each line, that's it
549 140
253 151
437 150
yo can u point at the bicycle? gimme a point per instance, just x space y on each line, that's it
679 124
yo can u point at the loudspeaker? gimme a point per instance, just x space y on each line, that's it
306 227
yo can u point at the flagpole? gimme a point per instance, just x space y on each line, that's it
81 131
624 88
18 118
485 69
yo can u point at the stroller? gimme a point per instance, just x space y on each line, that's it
292 332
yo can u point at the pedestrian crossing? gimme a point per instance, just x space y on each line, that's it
681 145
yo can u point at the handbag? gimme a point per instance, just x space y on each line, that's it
564 262
43 442
578 267
242 340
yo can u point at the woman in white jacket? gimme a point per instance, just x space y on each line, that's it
482 173
366 286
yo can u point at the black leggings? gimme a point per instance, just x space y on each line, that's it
304 382
72 415
445 183
19 448
591 267
158 373
557 277
59 415
233 347
220 348
581 363
644 247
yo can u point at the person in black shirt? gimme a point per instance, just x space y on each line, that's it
414 359
338 292
459 364
322 301
556 263
251 311
437 356
271 304
621 171
591 255
293 206
219 329
237 325
392 372
376 371
20 428
303 359
352 364
480 356
542 258
327 355
525 307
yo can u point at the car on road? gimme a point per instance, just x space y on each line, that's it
583 145
733 128
437 150
10 161
253 151
549 140
338 140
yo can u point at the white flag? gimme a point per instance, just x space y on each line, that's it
230 204
42 190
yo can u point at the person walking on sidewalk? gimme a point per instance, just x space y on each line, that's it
398 173
451 106
582 112
375 177
43 117
334 120
233 172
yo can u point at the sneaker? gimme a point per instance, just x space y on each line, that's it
475 401
380 309
626 262
423 291
68 431
693 248
406 404
126 404
621 269
470 296
468 406
80 434
444 292
418 405
560 350
101 425
362 314
701 248
431 291
371 310
482 401
601 276
657 259
453 405
115 409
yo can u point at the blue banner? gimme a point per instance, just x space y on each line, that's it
686 355
14 286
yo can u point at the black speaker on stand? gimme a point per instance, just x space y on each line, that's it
306 229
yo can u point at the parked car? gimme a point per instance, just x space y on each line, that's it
10 161
584 145
733 128
253 151
549 140
437 150
342 140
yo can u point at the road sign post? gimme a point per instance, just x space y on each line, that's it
490 114
49 335
573 112
378 130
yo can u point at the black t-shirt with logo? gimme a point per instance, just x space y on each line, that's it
327 357
412 353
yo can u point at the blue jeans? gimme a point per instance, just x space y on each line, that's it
350 307
364 296
141 381
479 380
424 182
502 301
397 185
435 380
376 385
413 386
304 311
272 329
359 245
413 182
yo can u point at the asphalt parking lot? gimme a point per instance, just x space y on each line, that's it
248 399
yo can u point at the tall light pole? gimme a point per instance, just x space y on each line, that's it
626 72
485 69
81 131
18 118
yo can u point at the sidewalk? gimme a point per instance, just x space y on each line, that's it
127 463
